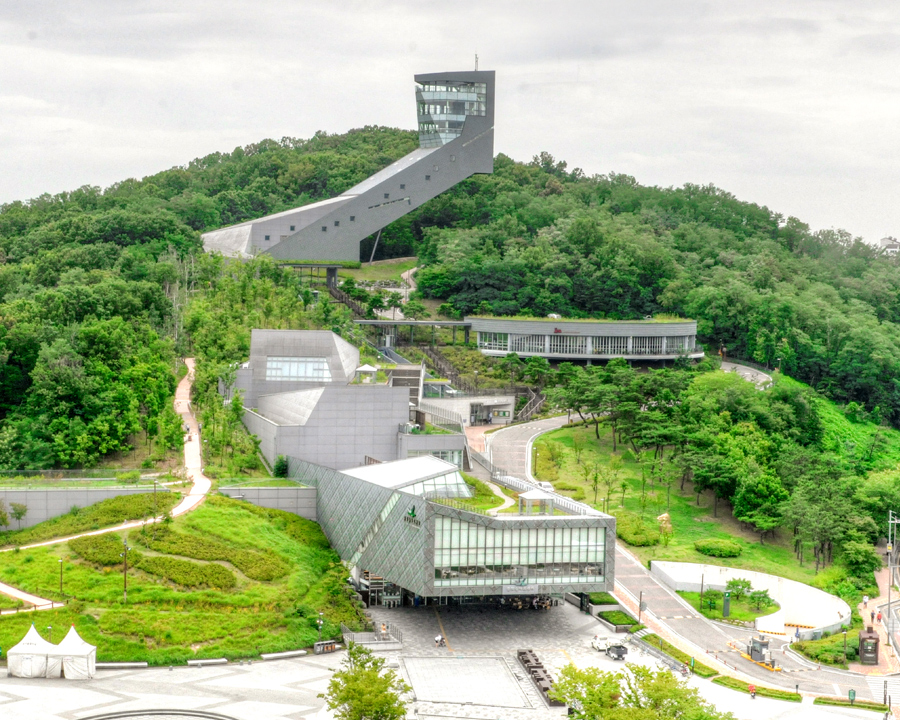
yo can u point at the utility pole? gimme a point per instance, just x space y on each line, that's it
124 555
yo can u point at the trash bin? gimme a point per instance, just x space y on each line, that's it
324 646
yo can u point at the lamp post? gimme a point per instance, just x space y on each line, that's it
49 633
845 646
320 622
60 576
124 555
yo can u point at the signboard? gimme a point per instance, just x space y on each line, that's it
521 589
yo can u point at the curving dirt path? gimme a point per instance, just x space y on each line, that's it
194 472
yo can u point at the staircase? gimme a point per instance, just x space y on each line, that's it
532 408
445 369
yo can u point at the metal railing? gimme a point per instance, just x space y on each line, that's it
383 634
446 419
355 306
532 407
501 476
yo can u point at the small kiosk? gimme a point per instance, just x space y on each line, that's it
868 646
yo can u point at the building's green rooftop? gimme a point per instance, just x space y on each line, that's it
655 319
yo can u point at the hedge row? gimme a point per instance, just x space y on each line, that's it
699 668
103 550
719 548
255 564
844 702
632 529
187 573
741 686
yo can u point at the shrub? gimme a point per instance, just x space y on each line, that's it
255 564
602 598
673 652
130 476
741 686
103 550
716 547
188 574
280 469
616 617
634 531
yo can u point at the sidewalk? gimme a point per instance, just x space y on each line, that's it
888 663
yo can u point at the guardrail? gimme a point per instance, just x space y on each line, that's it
446 419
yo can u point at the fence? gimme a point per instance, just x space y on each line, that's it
386 636
343 297
33 608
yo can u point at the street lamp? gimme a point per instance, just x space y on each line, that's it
320 622
845 646
49 633
124 555
60 576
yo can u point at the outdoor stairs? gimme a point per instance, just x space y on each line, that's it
532 408
444 368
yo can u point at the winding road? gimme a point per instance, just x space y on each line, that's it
671 617
200 486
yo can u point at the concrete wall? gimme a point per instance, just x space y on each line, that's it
462 406
348 423
800 604
422 443
52 502
299 500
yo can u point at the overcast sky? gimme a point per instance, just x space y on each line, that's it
793 105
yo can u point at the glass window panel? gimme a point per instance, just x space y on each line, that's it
298 369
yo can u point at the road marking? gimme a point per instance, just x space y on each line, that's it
568 657
443 632
837 690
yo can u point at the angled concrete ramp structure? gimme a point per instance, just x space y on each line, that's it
456 140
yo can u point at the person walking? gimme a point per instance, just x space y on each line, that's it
438 641
865 601
879 617
872 615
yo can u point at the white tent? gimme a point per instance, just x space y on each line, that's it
29 657
73 657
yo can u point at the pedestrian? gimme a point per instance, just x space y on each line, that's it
865 601
879 617
872 615
437 641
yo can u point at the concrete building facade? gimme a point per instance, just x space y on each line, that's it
557 338
455 113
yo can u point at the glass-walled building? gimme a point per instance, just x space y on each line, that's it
407 524
587 339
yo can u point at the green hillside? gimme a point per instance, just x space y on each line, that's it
227 580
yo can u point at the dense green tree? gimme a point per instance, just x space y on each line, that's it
363 689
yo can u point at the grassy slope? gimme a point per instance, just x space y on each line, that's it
380 270
163 623
690 521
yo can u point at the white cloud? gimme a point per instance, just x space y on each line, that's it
793 105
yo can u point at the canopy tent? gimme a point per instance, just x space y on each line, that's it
73 657
29 657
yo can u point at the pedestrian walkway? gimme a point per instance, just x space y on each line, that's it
888 663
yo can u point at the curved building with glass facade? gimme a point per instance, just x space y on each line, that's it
556 338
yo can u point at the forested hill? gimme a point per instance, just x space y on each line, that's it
94 282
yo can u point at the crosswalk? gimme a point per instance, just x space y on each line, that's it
876 685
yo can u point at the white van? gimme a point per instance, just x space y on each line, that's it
544 485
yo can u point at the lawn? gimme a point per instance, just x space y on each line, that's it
484 498
690 521
165 622
742 609
380 270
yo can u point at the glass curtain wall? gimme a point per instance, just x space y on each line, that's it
297 368
467 554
